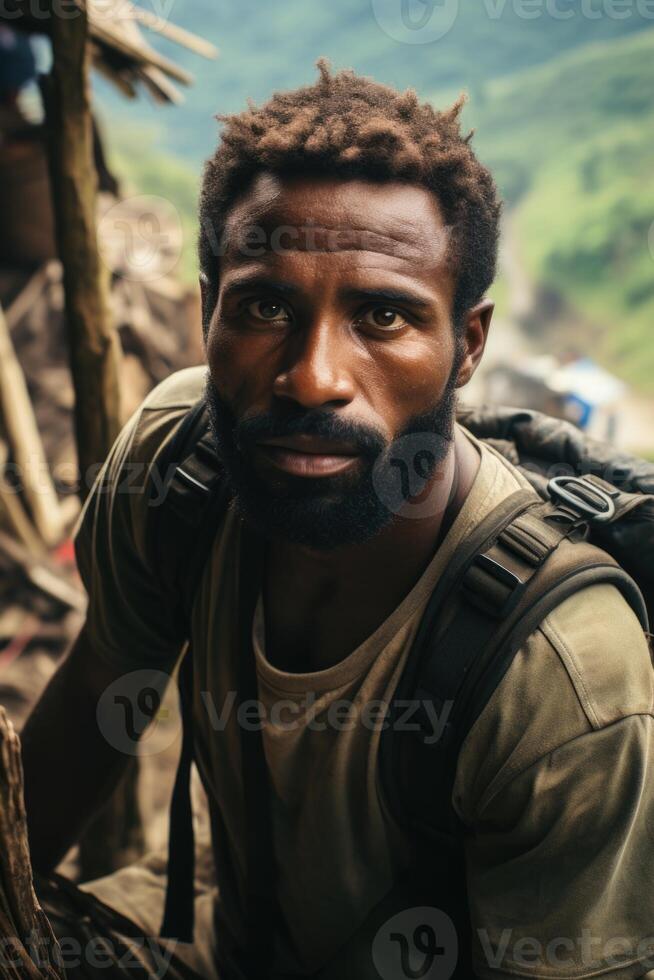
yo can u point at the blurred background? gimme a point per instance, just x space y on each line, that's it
560 98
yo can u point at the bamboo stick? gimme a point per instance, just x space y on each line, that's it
173 32
23 435
30 294
93 343
144 56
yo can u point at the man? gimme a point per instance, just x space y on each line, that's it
348 240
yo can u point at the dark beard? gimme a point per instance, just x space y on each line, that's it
344 509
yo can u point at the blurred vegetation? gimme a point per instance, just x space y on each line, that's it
136 158
572 146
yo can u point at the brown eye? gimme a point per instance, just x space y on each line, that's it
267 309
384 318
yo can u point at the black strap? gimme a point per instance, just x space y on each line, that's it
494 582
390 746
261 907
260 855
186 504
179 909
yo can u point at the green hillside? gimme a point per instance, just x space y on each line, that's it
572 144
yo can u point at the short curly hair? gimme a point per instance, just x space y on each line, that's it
348 126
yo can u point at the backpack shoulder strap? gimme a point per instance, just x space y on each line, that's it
187 500
522 561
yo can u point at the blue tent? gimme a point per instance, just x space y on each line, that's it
17 62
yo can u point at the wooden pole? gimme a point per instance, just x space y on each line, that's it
93 343
29 948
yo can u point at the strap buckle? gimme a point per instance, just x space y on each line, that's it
191 481
590 501
488 600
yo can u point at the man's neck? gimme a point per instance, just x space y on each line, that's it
320 605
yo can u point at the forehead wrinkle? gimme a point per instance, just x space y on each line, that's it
360 241
355 264
400 230
270 211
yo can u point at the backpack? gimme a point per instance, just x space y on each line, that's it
519 563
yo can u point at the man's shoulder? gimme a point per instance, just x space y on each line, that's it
156 419
127 616
180 390
122 491
598 638
587 667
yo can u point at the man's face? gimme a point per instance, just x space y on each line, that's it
331 343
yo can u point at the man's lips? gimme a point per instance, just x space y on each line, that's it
302 455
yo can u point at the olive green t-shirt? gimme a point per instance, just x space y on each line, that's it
553 783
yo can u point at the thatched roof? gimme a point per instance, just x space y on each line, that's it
120 51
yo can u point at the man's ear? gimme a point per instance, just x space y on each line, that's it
204 291
208 302
474 335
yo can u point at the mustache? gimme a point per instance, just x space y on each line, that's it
367 440
241 436
244 434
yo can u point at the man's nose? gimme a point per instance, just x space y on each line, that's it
317 368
